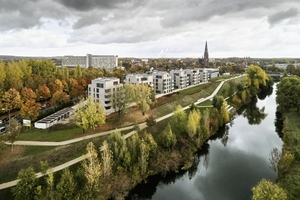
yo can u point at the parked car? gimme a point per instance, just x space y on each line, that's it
2 129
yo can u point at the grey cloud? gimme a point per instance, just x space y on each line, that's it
280 16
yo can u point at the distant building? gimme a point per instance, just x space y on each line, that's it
212 72
101 90
163 84
180 79
108 62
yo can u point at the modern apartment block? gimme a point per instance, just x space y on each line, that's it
193 76
163 83
108 62
101 90
146 78
179 78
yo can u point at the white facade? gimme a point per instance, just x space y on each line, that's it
193 76
101 90
139 79
108 62
212 72
163 84
180 78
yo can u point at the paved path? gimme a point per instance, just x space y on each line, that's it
79 159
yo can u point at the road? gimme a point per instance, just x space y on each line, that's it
79 159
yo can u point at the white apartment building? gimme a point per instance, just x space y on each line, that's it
101 90
180 78
163 84
108 62
146 78
193 76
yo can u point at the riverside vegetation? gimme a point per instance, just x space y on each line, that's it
165 146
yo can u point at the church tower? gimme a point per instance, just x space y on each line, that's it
206 59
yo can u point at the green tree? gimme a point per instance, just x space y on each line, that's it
256 78
25 188
193 123
66 187
92 171
224 112
266 190
217 101
121 97
179 120
143 158
288 94
13 131
168 138
90 115
2 77
106 160
142 95
121 156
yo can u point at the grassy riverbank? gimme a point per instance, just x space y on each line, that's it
289 176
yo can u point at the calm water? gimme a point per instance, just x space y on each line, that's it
229 165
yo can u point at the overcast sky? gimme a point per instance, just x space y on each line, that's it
150 28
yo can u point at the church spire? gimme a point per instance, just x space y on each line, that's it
206 59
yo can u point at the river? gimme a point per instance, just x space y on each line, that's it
229 165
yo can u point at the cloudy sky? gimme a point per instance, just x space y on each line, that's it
150 28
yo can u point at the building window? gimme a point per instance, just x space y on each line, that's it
115 82
100 85
97 90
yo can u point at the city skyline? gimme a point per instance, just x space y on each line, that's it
151 29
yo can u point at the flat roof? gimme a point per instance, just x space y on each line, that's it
55 115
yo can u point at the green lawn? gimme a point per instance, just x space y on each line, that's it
48 135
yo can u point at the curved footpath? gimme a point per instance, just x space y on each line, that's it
79 159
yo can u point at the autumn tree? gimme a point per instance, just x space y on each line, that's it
43 92
42 67
2 77
25 188
224 112
30 110
266 190
12 99
90 115
66 187
60 98
27 94
75 89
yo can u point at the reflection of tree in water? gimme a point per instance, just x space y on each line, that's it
278 123
192 171
267 91
254 114
225 137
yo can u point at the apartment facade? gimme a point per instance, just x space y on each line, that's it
101 90
193 76
108 62
179 78
163 83
146 78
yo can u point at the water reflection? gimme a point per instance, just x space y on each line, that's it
232 162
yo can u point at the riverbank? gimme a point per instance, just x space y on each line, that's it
289 175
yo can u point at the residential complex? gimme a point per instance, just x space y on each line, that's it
163 83
180 78
146 78
108 62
